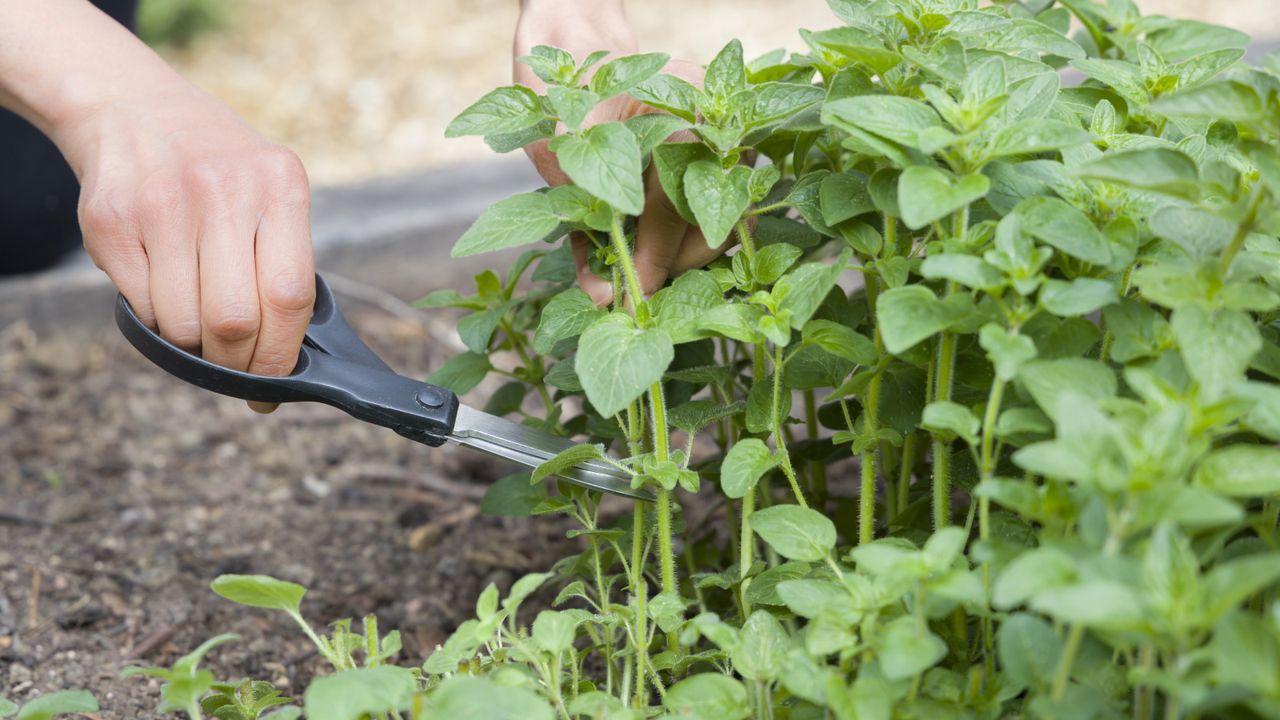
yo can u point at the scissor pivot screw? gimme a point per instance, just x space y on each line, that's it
431 397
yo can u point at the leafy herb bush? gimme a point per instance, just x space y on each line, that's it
978 420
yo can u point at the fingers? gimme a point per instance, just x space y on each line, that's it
170 240
599 289
659 235
111 238
285 276
694 252
229 315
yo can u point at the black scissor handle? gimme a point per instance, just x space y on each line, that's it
334 367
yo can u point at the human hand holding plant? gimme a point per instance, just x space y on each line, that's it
666 243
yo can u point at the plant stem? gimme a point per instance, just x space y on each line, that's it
1109 337
619 240
906 469
744 237
666 555
1242 231
987 469
870 428
746 552
779 437
1069 651
640 591
945 360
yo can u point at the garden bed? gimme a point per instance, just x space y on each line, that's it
124 492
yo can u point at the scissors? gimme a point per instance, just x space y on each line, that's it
336 368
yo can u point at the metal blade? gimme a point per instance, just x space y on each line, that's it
527 446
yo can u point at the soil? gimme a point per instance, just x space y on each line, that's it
124 492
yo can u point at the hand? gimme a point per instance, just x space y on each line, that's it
201 223
666 245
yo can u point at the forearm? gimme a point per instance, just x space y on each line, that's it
62 61
578 26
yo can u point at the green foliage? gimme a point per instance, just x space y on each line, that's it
178 22
50 706
979 414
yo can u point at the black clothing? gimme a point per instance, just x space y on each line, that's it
38 191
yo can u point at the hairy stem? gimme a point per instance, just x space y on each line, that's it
779 437
945 361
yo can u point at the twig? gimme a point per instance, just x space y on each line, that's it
33 609
153 640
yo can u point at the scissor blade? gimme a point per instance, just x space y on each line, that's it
530 447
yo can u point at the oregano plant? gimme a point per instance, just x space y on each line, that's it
975 418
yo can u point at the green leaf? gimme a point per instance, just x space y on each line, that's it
505 110
840 341
1008 352
260 591
57 703
697 414
926 194
796 533
1049 381
708 696
1229 100
1246 653
1100 604
1028 650
670 93
1032 572
565 316
7 708
1217 346
572 104
726 73
771 261
842 196
1053 221
518 220
967 270
773 101
949 420
672 161
605 161
1035 135
513 496
566 459
802 290
737 321
761 651
744 465
717 198
1230 584
554 631
551 64
617 362
908 315
461 373
351 694
907 648
468 696
620 75
899 119
653 129
678 306
1241 471
1078 297
1160 170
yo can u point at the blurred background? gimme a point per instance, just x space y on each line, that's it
361 89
